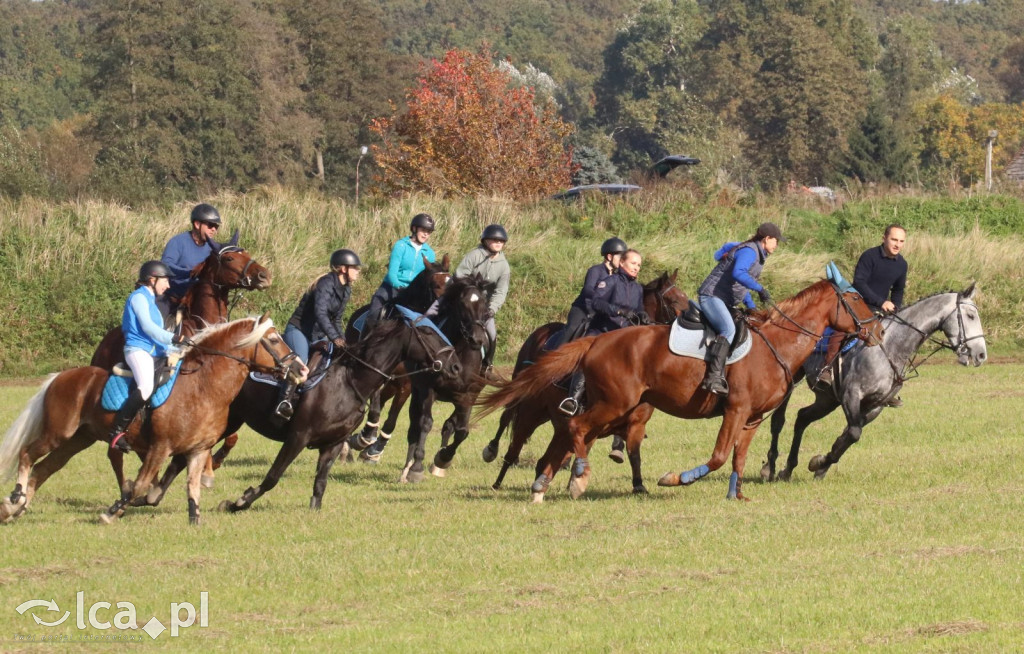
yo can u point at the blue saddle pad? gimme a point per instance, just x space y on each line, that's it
419 320
821 347
117 389
690 343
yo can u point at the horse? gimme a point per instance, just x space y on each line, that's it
66 415
663 302
629 369
463 312
426 287
328 411
869 377
228 267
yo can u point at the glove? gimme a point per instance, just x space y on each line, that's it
643 318
633 317
765 296
339 342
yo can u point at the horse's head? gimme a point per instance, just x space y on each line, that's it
465 305
427 286
963 329
663 301
252 342
853 315
230 266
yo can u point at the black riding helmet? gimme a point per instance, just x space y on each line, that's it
423 221
613 246
205 213
345 258
494 233
153 269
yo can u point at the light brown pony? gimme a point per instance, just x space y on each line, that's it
628 369
66 415
229 267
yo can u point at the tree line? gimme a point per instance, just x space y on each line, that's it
140 101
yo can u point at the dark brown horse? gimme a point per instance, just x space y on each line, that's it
67 415
663 301
629 369
229 267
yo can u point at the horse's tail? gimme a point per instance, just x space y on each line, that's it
535 379
25 431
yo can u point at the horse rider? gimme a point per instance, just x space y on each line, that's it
405 263
737 273
880 277
144 339
618 302
318 317
187 250
489 261
581 311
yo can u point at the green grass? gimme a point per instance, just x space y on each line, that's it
911 544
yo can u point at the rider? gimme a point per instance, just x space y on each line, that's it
318 318
880 277
730 282
619 302
187 250
144 339
582 310
489 260
405 263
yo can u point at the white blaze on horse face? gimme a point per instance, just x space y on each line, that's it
474 297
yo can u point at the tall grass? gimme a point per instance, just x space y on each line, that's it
65 269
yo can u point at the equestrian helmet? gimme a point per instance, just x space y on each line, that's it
153 269
423 221
345 258
206 213
613 245
494 233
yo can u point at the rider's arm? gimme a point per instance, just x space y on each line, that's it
321 307
593 278
897 290
470 262
140 307
744 258
605 299
173 257
500 291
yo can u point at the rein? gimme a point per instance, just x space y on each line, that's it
436 366
909 370
280 366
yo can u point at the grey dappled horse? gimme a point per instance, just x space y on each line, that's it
871 376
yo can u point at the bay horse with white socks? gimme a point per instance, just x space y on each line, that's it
66 415
663 302
869 377
628 369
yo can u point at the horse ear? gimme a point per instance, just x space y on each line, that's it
234 239
265 317
446 262
675 273
969 293
426 262
215 246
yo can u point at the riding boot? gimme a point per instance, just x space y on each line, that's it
487 365
714 380
571 405
285 403
123 419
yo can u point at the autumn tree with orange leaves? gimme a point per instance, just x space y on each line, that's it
467 130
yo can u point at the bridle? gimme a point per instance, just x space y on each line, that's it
282 364
960 347
665 314
437 364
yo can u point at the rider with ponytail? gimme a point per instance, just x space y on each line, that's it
730 282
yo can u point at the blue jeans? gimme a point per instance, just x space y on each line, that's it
718 315
297 341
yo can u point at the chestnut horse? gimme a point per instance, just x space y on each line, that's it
628 369
67 415
663 301
228 267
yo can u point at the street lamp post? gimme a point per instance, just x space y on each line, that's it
362 153
992 134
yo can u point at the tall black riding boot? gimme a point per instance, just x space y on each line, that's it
285 403
714 379
571 404
123 419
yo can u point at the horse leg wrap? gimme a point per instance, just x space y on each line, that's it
17 494
541 484
579 467
690 476
734 480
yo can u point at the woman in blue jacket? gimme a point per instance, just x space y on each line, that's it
145 339
405 263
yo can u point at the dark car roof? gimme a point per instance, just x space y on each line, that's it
610 189
671 162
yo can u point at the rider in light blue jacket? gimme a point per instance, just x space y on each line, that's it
405 263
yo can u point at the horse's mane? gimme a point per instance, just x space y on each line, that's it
655 283
797 303
381 332
258 331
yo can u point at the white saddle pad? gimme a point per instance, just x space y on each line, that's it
690 343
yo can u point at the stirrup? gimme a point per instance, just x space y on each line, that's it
569 406
718 386
284 410
120 443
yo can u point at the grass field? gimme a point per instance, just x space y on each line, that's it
912 543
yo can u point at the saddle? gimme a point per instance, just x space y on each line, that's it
322 355
694 319
121 382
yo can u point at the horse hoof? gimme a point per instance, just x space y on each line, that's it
414 477
537 498
640 490
616 456
6 510
766 472
489 453
225 505
107 518
821 472
367 457
206 481
438 471
816 463
154 496
441 463
670 479
785 475
577 486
